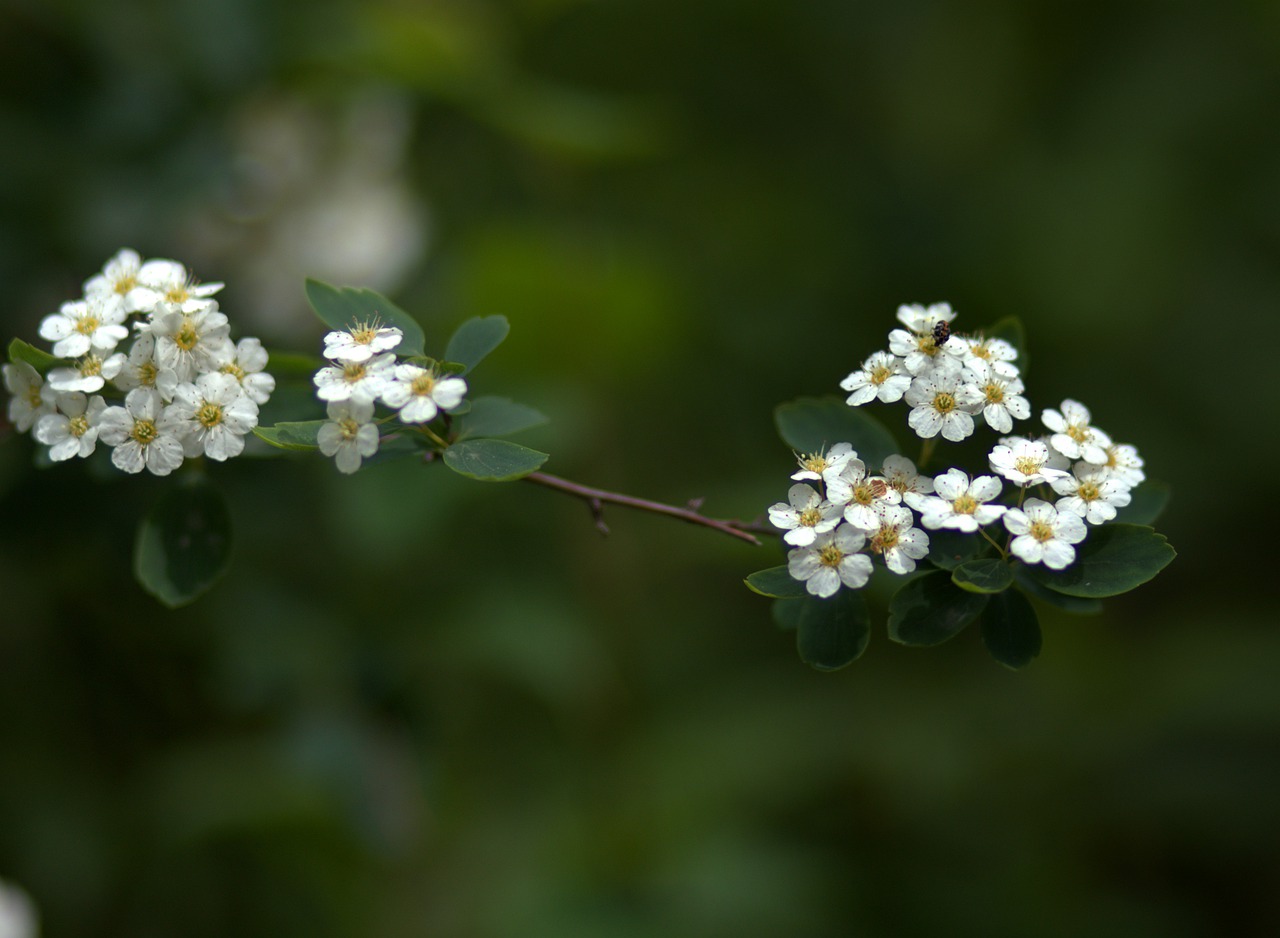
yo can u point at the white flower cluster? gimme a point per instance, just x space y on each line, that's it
363 371
838 510
189 390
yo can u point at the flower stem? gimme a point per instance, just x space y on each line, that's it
596 499
926 452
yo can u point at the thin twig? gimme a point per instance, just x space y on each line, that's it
596 499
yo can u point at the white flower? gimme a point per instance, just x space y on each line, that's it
143 434
172 285
998 354
246 367
1073 437
364 381
365 340
881 376
17 913
941 403
350 435
804 515
1091 492
920 319
959 503
82 325
73 431
896 537
32 398
191 342
1024 462
1043 534
1002 398
919 352
88 375
119 283
900 473
141 371
827 466
831 560
1124 463
419 393
861 494
213 415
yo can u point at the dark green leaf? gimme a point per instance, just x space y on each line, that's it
833 632
931 609
948 549
492 460
183 544
1072 604
1114 559
475 339
786 613
985 575
814 424
293 365
295 436
1010 629
1010 329
498 416
344 307
38 359
1148 502
775 582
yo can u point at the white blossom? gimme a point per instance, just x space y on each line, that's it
1024 462
31 397
363 381
860 494
361 342
943 403
118 283
1124 463
143 434
1073 436
420 393
349 435
1043 534
175 287
18 917
73 430
140 369
246 366
959 503
213 415
896 538
831 560
1091 492
827 465
82 325
88 375
191 342
882 376
921 319
804 515
997 354
1002 399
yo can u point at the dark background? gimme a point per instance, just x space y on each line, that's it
421 705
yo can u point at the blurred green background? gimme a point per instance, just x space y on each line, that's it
420 705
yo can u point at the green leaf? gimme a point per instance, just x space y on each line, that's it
984 575
293 436
38 359
292 364
786 613
1147 503
775 582
475 339
931 609
1010 629
1114 559
948 549
344 307
1010 329
183 544
498 416
832 632
492 460
814 424
1072 604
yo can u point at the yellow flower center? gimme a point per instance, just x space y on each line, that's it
1078 432
1041 531
1088 491
814 462
126 283
810 517
33 395
363 333
349 428
1026 465
994 393
830 556
880 374
147 374
965 505
926 344
78 426
209 415
87 325
186 336
91 366
944 402
885 539
425 383
234 370
178 293
353 372
980 350
144 431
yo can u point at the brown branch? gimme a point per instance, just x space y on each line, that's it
596 499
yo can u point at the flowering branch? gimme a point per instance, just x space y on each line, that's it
596 499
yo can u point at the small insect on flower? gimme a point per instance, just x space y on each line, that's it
941 332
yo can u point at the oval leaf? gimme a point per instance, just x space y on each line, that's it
786 613
775 582
1147 503
931 609
948 549
183 544
1114 559
343 307
38 359
294 436
1072 604
1010 629
498 416
813 424
475 339
492 460
985 575
833 632
1010 329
